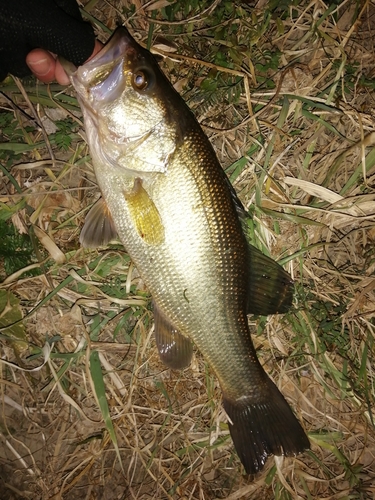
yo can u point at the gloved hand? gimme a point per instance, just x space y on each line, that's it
54 25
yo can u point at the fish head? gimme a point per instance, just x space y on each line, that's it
129 107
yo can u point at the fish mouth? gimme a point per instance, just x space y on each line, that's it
104 72
115 48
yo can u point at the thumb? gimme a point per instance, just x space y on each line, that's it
42 64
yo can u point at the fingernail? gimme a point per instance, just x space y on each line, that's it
40 67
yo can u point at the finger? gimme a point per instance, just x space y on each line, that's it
42 64
60 76
97 48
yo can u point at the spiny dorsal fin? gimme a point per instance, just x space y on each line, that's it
99 228
175 350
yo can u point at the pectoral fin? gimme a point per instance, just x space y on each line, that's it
175 350
145 215
99 228
270 288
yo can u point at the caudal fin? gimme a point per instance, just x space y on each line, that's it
264 427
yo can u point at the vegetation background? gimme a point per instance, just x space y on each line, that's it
285 91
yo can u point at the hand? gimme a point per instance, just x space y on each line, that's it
47 68
32 32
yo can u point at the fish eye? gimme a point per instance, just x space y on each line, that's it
141 79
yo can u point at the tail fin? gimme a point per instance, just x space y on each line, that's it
266 426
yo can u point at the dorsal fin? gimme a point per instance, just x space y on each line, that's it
270 287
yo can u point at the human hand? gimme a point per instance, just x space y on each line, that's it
30 35
46 67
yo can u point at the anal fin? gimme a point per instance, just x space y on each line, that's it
99 228
175 350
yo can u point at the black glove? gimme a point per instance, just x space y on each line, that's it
54 25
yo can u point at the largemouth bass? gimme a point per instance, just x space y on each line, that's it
166 195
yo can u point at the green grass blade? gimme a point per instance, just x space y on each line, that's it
99 387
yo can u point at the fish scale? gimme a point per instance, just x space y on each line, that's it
185 230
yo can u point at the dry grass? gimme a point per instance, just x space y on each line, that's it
291 119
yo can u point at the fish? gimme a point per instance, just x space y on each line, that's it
166 196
